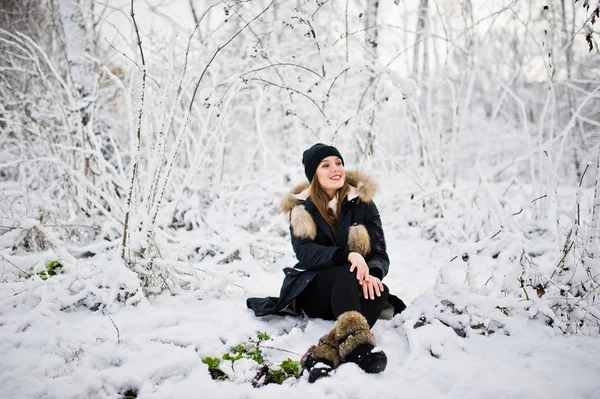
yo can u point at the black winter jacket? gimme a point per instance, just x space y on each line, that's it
316 248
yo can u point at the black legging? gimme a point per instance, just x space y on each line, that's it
335 291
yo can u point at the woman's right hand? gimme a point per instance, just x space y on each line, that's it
358 262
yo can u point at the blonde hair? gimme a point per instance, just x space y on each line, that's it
321 199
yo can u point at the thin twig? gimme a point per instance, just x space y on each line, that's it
294 90
132 60
538 198
334 80
282 64
8 201
17 267
116 328
278 349
583 175
562 259
196 20
306 125
494 236
123 54
532 201
318 8
137 32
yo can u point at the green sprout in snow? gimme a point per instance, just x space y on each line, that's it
53 268
252 350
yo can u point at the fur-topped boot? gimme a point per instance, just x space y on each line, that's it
356 343
320 360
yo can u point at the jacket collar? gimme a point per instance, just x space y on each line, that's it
303 196
362 186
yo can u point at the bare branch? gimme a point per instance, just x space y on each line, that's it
139 129
219 50
116 328
15 266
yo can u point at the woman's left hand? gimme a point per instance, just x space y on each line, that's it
371 286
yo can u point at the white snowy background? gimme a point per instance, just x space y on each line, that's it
480 120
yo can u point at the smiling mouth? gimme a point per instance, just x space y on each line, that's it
336 177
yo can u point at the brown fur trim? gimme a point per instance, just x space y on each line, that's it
365 184
303 225
327 350
359 240
351 329
354 340
348 323
289 201
308 353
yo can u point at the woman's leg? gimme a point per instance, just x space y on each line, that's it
332 292
371 308
345 291
346 294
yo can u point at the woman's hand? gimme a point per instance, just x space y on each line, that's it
358 262
371 287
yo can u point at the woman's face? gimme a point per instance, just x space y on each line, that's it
330 174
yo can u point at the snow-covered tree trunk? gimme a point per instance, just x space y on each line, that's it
371 26
567 45
77 24
78 35
367 143
418 73
420 32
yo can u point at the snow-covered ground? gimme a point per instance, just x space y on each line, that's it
160 343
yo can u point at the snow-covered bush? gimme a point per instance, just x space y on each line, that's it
510 260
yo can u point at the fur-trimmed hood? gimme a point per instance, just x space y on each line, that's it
362 185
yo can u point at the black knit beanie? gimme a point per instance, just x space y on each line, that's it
314 155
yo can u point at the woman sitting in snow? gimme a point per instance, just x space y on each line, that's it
337 237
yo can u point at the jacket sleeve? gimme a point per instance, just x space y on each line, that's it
378 259
317 256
